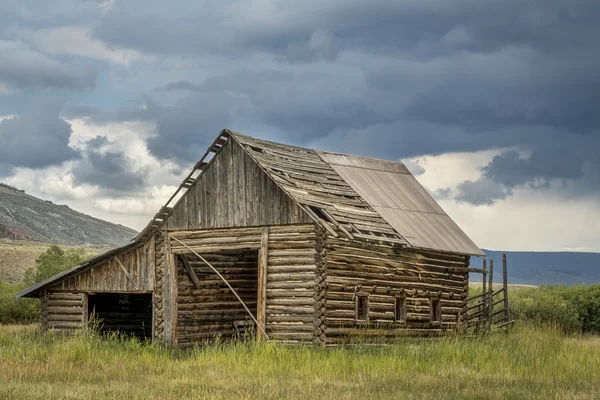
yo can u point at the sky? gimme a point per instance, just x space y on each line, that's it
105 105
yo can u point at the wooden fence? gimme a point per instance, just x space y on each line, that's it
488 310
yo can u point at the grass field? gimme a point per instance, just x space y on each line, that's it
530 363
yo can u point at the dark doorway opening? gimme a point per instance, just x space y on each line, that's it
129 314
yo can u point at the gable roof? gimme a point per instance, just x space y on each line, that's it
356 197
360 197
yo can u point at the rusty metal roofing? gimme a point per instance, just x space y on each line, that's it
402 202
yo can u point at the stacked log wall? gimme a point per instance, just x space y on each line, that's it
383 273
210 310
63 312
291 269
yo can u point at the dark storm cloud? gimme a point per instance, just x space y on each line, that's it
386 78
36 140
107 169
25 68
574 164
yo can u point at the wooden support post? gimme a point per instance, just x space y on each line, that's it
190 271
483 299
261 301
490 299
85 305
505 286
170 294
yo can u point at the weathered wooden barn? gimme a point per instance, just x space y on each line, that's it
319 246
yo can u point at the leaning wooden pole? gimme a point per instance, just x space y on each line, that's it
490 298
505 287
227 283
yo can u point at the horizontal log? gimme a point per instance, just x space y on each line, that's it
64 310
307 284
274 310
310 268
289 318
289 277
299 301
290 336
65 303
291 328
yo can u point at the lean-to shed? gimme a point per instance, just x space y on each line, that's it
319 246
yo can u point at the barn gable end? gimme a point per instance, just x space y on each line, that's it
233 191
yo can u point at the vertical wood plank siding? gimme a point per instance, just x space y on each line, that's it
234 191
384 272
63 312
110 277
210 311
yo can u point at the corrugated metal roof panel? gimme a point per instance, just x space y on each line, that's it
363 162
403 203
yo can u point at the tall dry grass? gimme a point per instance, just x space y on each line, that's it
530 363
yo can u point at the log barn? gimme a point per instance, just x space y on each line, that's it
293 244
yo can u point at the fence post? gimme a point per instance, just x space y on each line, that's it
505 286
491 292
482 300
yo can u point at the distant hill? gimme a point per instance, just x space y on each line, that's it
538 268
24 217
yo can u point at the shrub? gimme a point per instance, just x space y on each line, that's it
49 263
16 311
544 306
572 308
53 261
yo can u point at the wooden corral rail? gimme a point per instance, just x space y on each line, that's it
488 310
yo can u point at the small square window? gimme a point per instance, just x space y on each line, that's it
362 307
400 309
435 311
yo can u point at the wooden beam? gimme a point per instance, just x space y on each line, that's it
505 285
491 293
190 271
261 301
126 273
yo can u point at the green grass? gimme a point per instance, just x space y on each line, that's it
530 363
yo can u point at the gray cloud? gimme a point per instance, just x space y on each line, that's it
572 163
23 67
180 85
383 78
107 169
36 140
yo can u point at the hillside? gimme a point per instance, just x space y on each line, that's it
537 268
24 217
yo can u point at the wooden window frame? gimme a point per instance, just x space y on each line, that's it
400 313
361 297
435 310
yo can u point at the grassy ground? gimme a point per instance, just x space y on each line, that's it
17 256
530 363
